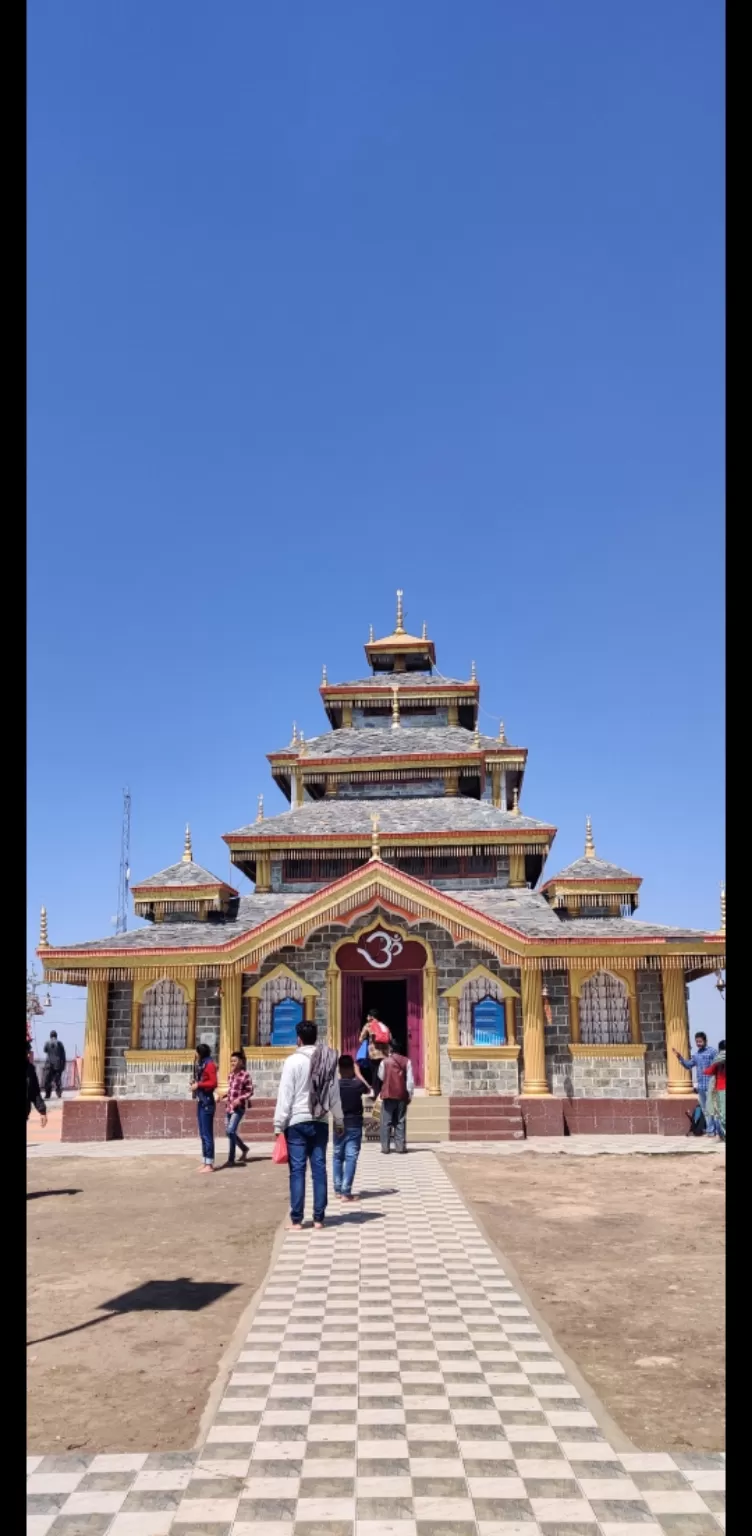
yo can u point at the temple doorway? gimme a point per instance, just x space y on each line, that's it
389 1000
399 1004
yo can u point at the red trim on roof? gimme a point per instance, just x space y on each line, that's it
409 837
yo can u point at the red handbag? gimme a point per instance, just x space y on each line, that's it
279 1151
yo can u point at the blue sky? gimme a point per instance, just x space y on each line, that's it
326 300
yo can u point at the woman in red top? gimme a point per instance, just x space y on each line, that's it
202 1088
717 1072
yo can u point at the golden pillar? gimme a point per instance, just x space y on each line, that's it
309 1008
229 1023
517 869
496 784
575 983
95 1039
677 1031
297 789
346 716
334 1035
453 1004
452 782
331 786
635 1032
510 1014
191 1032
253 1039
453 714
263 873
431 1027
533 1038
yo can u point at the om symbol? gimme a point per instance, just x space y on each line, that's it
391 946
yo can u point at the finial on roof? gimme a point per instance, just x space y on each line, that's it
473 674
324 678
375 840
723 911
395 706
502 733
589 844
516 802
301 741
294 741
260 811
399 628
370 634
187 847
476 736
44 942
424 635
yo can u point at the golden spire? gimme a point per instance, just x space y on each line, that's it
260 811
301 741
502 733
476 736
515 802
589 844
44 942
395 707
375 840
324 678
473 673
723 911
294 741
370 634
424 635
399 628
188 847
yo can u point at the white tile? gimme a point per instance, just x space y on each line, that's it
162 1482
443 1509
673 1502
647 1461
609 1488
325 1509
152 1522
707 1482
205 1511
53 1482
32 1462
497 1487
130 1461
38 1525
563 1510
93 1503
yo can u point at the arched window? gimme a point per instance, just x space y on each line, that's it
286 1016
164 1018
482 1020
604 1010
276 1024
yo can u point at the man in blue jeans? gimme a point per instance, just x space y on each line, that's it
308 1092
347 1145
703 1056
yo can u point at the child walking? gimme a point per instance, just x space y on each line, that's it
347 1141
238 1097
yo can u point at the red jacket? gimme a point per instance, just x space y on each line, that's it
394 1081
719 1073
208 1077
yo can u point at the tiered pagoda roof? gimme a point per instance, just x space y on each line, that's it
592 882
183 888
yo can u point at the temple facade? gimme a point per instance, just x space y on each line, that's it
405 877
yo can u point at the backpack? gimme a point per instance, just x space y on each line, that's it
379 1032
697 1123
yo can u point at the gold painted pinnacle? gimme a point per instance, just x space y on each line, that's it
187 847
294 741
723 909
260 811
44 942
375 839
399 628
473 674
516 802
589 844
502 733
395 706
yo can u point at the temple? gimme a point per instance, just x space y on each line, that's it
405 876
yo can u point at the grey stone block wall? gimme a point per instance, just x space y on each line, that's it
620 1077
556 1035
208 1010
119 1010
474 1078
653 1026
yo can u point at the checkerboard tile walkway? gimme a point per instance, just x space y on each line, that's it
392 1383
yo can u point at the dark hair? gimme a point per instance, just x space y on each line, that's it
721 1045
203 1052
700 1035
53 1034
345 1061
240 1053
372 1015
307 1032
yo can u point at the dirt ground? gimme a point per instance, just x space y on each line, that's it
623 1258
143 1270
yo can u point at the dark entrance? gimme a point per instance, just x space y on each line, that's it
389 1000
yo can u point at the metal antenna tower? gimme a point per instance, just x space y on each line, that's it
121 921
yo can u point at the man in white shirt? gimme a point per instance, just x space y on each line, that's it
308 1092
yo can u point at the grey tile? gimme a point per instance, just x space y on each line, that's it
367 1467
71 1461
628 1510
170 1461
323 1528
685 1525
145 1499
691 1461
534 1450
714 1499
427 1415
651 1482
384 1508
568 1528
483 1432
282 1431
267 1509
503 1509
105 1482
45 1503
326 1487
201 1528
214 1488
330 1450
273 1469
445 1528
610 1469
230 1451
439 1487
522 1416
80 1525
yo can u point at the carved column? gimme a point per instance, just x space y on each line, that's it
453 717
263 873
533 1038
496 784
95 1040
431 1028
452 782
677 1031
229 1024
297 789
346 716
575 984
453 1004
190 1038
309 1008
331 786
635 1032
517 869
334 1034
253 1032
510 1014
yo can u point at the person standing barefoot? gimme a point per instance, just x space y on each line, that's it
203 1089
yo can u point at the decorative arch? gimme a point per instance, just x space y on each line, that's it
603 1009
176 1005
271 997
430 992
463 999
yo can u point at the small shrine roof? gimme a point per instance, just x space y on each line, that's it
396 741
385 681
185 874
252 910
592 870
400 817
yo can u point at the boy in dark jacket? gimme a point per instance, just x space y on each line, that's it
347 1141
33 1092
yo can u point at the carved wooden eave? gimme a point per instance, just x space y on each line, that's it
412 900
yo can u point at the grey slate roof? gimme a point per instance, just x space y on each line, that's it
391 680
252 910
592 869
187 874
444 813
529 913
369 741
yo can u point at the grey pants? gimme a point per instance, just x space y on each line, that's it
393 1113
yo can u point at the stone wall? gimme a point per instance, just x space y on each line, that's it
615 1077
119 1011
556 1035
652 1024
453 961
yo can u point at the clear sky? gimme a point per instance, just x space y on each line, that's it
329 299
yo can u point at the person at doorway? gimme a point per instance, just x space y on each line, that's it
238 1098
717 1089
397 1089
33 1091
203 1089
54 1050
347 1144
703 1056
308 1093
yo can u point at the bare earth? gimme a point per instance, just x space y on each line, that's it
145 1234
623 1258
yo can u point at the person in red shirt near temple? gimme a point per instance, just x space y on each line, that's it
717 1074
203 1089
238 1096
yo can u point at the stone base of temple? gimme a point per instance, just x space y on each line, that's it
490 1118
